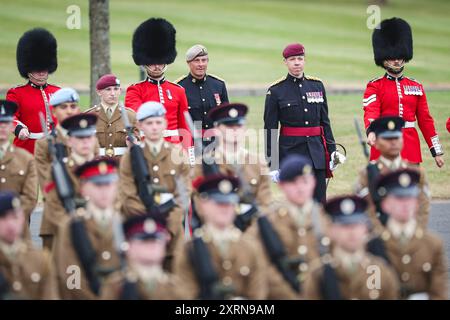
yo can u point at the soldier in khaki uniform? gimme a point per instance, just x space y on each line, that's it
83 146
389 141
231 157
294 219
17 167
93 227
144 277
169 171
219 250
356 273
25 272
417 255
111 131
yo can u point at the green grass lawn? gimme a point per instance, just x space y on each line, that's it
245 38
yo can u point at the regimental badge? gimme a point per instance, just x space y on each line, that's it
307 169
391 125
404 180
225 186
314 97
149 226
347 206
217 97
412 90
233 113
83 123
2 112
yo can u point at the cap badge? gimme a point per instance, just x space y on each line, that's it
149 226
83 123
391 125
225 186
347 206
15 203
102 167
404 180
117 81
381 191
307 169
3 110
233 113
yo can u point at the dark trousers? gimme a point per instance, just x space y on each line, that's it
321 185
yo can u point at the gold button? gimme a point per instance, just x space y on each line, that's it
303 267
204 112
253 181
325 241
227 281
306 122
110 134
301 232
406 259
109 124
426 267
226 265
2 167
155 180
282 212
206 126
306 110
106 255
35 277
385 235
110 144
203 99
172 172
374 294
405 276
300 85
244 271
288 104
303 97
302 250
201 87
17 286
21 172
2 180
155 168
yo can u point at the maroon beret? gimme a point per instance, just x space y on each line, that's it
106 81
228 113
293 49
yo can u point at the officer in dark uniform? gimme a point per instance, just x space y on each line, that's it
203 91
298 102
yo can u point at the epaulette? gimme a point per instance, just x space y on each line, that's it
412 79
180 78
94 108
175 84
215 77
375 79
277 81
313 78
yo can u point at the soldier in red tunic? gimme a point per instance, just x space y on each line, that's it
36 59
397 95
154 49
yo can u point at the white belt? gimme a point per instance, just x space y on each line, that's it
36 135
409 124
171 133
111 152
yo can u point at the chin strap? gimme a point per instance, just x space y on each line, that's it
394 69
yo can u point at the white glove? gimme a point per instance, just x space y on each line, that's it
337 158
275 175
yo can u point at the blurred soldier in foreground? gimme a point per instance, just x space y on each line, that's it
25 272
84 251
83 146
218 263
166 170
144 277
111 132
389 142
17 167
291 232
417 255
357 273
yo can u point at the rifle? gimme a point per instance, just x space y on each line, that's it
248 206
210 286
139 166
360 138
63 184
277 253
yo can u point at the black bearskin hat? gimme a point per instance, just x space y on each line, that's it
154 42
36 51
392 39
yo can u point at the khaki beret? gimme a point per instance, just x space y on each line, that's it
195 51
